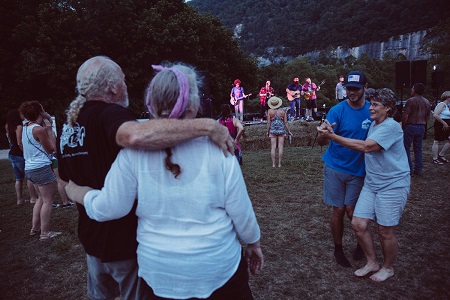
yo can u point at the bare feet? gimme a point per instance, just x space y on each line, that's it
372 267
382 275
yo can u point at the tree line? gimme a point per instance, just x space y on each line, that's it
43 42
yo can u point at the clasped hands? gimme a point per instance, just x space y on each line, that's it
325 129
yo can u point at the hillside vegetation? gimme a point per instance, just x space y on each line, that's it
286 27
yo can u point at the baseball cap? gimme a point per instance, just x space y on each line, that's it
355 79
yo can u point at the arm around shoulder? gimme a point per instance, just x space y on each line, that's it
163 133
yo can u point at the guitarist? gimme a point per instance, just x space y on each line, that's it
264 94
237 96
294 92
309 92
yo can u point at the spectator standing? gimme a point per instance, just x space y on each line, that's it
277 128
441 129
13 128
235 128
38 140
416 114
341 93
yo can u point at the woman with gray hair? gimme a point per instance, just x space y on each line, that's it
193 207
386 185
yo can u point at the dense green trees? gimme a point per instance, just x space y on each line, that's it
43 42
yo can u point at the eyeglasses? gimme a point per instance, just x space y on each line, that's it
375 104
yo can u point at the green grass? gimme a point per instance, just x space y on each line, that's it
296 239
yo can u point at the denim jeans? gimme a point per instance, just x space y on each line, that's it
18 164
295 104
413 134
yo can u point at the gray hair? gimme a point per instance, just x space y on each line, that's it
93 79
386 97
162 93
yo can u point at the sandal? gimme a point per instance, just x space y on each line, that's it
437 161
35 231
49 235
443 159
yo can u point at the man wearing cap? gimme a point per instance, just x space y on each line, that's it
237 96
294 91
264 94
309 90
344 168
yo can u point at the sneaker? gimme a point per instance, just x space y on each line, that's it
55 205
49 235
69 204
437 161
443 159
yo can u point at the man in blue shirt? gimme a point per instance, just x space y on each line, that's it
294 91
344 168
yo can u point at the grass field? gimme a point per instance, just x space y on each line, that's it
296 239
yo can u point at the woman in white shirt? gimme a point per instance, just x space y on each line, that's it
441 129
193 206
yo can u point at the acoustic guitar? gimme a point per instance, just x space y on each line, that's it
309 94
234 100
291 95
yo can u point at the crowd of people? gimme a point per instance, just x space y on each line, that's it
166 200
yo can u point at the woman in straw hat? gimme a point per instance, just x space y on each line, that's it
277 127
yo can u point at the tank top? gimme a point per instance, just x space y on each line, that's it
228 123
33 152
14 148
277 126
445 113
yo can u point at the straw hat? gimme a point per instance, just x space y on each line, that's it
274 102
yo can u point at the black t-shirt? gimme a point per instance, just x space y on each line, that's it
86 153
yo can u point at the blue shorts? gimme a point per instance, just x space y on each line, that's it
339 188
41 176
385 206
18 164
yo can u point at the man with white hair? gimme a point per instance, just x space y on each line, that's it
98 126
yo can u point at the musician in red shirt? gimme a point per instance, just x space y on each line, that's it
264 94
309 93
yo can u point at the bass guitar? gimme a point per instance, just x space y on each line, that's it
309 94
234 100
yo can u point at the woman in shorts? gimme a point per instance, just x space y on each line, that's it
386 185
13 130
38 142
441 129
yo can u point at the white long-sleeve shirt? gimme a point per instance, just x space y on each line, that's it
188 226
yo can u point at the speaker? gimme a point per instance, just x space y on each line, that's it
437 79
419 72
402 74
